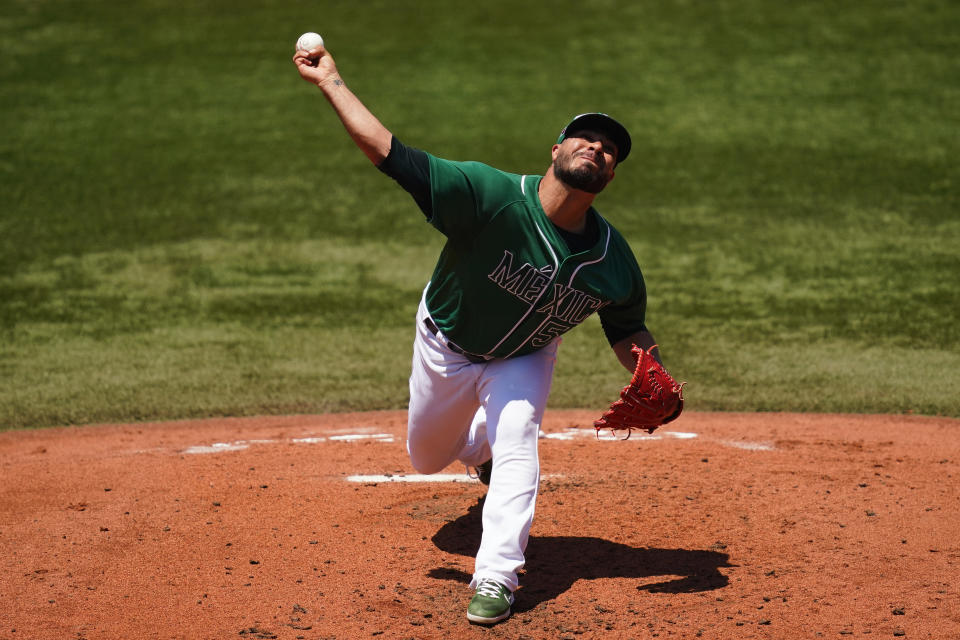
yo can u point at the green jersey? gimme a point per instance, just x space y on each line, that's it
506 282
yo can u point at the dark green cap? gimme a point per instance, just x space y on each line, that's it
602 123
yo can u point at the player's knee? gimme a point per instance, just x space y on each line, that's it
426 466
423 462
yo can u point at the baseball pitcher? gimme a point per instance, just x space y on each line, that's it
526 259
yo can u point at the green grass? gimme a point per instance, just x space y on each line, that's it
186 230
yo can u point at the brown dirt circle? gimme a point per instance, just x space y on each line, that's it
722 526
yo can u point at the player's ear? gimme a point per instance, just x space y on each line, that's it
554 151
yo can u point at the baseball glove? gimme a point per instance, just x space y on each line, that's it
652 398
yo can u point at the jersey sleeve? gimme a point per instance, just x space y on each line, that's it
410 167
623 320
464 196
627 315
451 194
616 334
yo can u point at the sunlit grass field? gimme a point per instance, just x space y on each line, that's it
186 230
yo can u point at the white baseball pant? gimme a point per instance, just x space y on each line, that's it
464 411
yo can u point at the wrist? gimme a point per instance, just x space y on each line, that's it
330 83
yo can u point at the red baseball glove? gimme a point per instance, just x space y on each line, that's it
652 398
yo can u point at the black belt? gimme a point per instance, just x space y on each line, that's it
435 330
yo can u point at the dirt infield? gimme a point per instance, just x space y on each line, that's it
720 526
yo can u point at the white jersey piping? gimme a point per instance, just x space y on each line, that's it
556 272
606 246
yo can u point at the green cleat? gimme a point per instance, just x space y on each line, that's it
491 603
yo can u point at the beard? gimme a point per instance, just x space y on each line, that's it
584 178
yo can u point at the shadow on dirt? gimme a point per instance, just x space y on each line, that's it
554 563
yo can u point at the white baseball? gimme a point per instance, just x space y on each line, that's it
309 41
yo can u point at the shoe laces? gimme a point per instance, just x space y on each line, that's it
490 589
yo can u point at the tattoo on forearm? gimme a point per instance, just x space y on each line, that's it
338 82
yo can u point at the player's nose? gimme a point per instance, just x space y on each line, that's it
596 147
